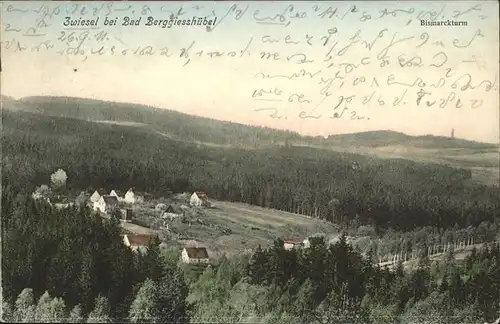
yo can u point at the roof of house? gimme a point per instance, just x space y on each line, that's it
172 208
197 252
131 190
201 195
118 192
139 239
111 200
100 191
291 242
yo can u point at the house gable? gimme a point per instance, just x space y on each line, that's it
201 195
171 209
116 193
130 196
198 199
96 195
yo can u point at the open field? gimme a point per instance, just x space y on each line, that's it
230 228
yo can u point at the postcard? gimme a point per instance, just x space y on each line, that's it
250 161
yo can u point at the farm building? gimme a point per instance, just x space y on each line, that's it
97 195
117 193
172 212
132 197
129 196
290 244
137 242
195 255
106 204
199 199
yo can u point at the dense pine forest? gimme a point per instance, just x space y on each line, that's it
69 264
338 187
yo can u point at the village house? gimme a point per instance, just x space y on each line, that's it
106 204
117 193
198 199
195 255
126 214
129 196
290 244
172 212
97 195
132 197
137 242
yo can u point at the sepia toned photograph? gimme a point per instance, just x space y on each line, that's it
266 162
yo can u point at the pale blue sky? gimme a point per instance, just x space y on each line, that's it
222 87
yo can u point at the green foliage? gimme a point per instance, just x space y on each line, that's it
144 309
101 311
352 290
68 252
7 311
25 309
75 316
372 195
75 255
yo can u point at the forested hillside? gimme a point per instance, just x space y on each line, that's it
193 128
70 266
63 265
175 124
335 186
387 138
80 259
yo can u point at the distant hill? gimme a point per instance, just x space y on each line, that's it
174 124
481 158
386 138
205 130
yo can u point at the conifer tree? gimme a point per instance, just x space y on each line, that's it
144 308
101 311
42 312
257 266
153 260
75 316
57 311
25 309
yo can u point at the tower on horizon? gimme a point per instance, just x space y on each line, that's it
453 133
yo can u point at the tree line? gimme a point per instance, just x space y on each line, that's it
71 265
337 187
79 258
335 284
